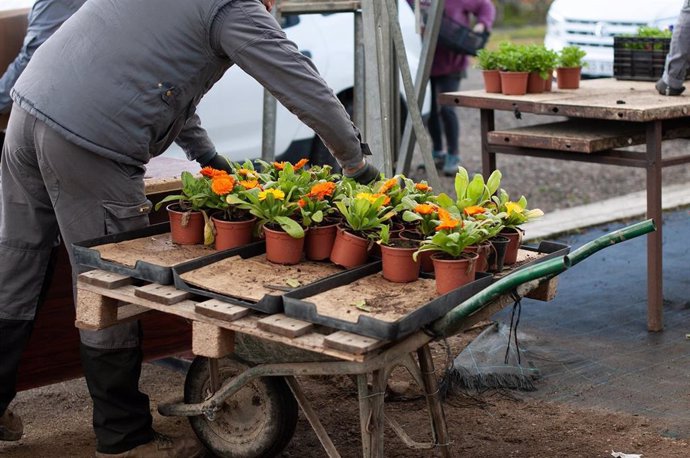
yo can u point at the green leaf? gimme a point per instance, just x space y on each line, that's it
494 181
290 226
462 179
409 216
293 282
475 189
362 305
317 216
443 200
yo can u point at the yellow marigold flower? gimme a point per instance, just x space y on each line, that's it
474 210
512 207
301 163
321 190
222 184
422 187
276 193
366 196
249 184
388 184
425 209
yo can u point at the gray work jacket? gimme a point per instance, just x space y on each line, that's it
44 19
123 78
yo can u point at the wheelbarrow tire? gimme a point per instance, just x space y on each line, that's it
257 421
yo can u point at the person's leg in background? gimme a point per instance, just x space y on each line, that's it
451 126
434 124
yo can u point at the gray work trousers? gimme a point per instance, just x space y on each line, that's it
678 59
52 188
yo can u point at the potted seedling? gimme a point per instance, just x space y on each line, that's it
570 65
487 62
186 212
513 69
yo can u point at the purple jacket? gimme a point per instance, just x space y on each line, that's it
447 62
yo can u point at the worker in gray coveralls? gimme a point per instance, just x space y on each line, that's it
114 87
45 18
678 60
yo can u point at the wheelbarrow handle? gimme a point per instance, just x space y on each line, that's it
451 322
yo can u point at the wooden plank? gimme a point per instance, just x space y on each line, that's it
285 326
95 311
248 325
164 294
109 280
577 136
352 343
310 6
221 310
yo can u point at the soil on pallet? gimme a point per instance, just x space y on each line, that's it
498 424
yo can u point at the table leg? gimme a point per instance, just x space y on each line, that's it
364 414
655 291
487 124
438 418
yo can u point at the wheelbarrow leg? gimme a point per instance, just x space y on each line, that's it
438 417
371 415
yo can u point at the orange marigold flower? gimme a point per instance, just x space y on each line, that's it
222 184
321 190
301 203
447 224
249 184
425 209
388 184
207 171
301 163
474 210
247 173
386 199
279 165
422 187
443 214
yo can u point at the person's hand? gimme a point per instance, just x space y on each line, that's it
665 89
269 4
365 174
479 28
217 162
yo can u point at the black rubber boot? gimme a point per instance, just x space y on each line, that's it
665 89
14 336
121 415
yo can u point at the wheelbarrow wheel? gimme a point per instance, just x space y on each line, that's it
257 421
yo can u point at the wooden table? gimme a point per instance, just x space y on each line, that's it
605 115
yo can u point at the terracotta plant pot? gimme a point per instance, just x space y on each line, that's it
186 228
454 273
282 248
568 78
349 250
514 236
499 245
492 81
318 242
483 251
424 258
398 264
535 83
548 82
231 234
514 83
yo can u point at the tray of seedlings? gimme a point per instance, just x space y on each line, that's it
146 254
245 277
361 301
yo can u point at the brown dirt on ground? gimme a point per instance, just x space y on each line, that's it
490 424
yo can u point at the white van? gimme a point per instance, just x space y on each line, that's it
591 25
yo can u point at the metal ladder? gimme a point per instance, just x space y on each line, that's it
379 58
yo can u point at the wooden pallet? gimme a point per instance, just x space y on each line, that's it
105 299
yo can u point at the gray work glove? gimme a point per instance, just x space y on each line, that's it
366 174
216 161
665 89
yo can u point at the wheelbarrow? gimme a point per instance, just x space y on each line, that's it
246 405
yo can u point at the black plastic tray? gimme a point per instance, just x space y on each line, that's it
296 302
86 255
268 304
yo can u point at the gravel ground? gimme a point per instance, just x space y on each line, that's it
552 184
